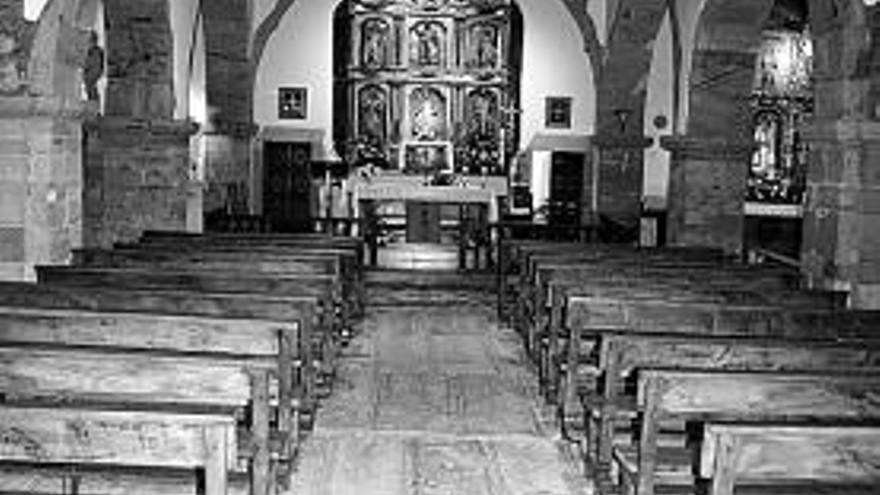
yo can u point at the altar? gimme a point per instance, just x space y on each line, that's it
401 208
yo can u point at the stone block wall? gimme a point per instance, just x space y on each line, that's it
40 185
229 92
707 180
140 80
621 177
137 177
842 213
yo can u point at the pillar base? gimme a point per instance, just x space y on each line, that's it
138 177
618 181
707 186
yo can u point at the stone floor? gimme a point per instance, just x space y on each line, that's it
434 398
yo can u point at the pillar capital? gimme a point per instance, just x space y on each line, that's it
848 131
22 107
706 148
169 127
232 128
607 141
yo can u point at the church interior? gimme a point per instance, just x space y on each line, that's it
400 247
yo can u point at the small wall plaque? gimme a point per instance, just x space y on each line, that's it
292 103
558 112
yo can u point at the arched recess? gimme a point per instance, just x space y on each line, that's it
723 68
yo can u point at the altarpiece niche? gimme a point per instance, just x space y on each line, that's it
428 86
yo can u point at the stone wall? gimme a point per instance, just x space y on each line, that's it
136 178
706 183
40 185
621 178
137 158
229 132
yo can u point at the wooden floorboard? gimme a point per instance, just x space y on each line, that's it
432 401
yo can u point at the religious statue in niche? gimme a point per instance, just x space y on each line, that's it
426 159
478 151
374 43
428 114
427 41
482 113
93 67
484 46
372 111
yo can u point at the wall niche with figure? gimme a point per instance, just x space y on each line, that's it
428 84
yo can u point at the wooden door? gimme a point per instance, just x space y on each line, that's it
422 222
287 186
566 187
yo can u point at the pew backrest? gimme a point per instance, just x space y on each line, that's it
773 454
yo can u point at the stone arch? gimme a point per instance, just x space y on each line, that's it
727 39
622 83
592 44
60 43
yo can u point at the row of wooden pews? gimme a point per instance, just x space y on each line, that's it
683 371
179 364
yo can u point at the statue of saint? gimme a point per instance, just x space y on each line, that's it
93 67
427 45
374 41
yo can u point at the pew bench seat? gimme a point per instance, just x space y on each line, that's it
807 457
138 439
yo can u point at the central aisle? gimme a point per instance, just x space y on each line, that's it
433 398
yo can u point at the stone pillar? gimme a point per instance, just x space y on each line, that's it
228 150
137 177
842 213
707 187
618 180
40 184
229 92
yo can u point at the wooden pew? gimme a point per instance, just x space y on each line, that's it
40 478
533 309
279 239
803 458
325 287
349 245
683 395
599 253
211 359
299 311
229 261
622 353
662 308
121 379
58 435
583 314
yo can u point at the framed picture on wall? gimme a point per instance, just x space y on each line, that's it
558 112
293 103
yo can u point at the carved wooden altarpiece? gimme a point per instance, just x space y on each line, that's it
426 85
